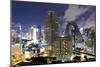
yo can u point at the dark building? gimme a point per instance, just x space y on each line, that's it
63 49
51 32
51 27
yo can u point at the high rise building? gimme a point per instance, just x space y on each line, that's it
16 34
43 36
51 27
33 34
51 31
63 49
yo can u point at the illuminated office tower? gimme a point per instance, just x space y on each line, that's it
51 31
43 36
63 48
33 34
16 32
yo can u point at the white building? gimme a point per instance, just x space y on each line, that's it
33 34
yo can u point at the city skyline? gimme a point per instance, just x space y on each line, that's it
51 33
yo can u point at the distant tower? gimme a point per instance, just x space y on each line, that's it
51 27
43 36
16 29
33 34
51 30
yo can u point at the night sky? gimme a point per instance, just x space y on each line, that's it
34 13
30 13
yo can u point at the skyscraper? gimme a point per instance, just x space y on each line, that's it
33 34
51 31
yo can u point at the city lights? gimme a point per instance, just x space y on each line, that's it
44 38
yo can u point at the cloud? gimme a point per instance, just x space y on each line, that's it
84 16
74 11
90 22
